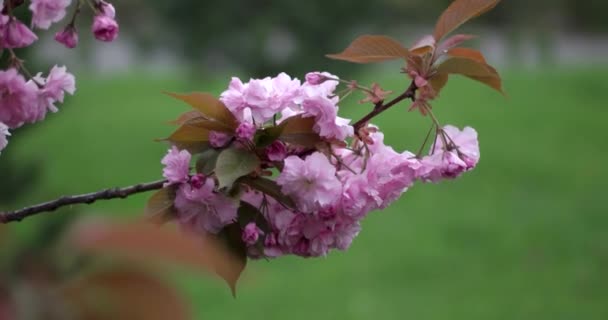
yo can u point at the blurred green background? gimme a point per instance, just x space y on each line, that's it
524 236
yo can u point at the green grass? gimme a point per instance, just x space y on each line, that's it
524 236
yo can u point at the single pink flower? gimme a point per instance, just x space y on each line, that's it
245 131
68 37
276 151
18 100
312 182
15 34
107 9
105 28
219 139
251 234
203 210
177 166
46 12
54 87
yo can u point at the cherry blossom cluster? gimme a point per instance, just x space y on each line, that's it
331 186
25 97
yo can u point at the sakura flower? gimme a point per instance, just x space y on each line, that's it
68 37
464 141
105 28
107 9
46 12
202 209
219 139
15 34
19 100
245 131
177 166
54 86
312 182
251 234
276 151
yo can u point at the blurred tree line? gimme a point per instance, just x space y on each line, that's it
263 37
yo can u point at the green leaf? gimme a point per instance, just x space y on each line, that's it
234 163
299 130
231 236
207 161
159 208
270 188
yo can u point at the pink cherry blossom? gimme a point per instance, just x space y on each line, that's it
15 34
276 151
251 234
177 166
46 12
3 136
245 131
461 155
54 87
68 37
219 139
202 209
312 182
315 78
19 100
105 28
107 9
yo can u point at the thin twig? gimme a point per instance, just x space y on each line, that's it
410 93
114 193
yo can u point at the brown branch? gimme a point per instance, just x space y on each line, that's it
410 93
88 198
116 193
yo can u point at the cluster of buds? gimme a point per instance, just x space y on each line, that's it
24 97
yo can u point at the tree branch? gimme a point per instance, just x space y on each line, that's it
410 93
116 193
88 198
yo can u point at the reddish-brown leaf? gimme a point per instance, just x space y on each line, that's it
159 208
453 41
468 54
187 116
190 133
124 294
473 69
299 131
151 243
459 12
209 106
423 46
438 81
372 48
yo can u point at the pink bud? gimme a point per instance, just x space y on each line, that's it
16 35
68 37
276 151
107 9
315 78
251 234
105 28
245 131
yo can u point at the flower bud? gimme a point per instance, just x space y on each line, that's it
251 234
68 37
315 78
105 28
